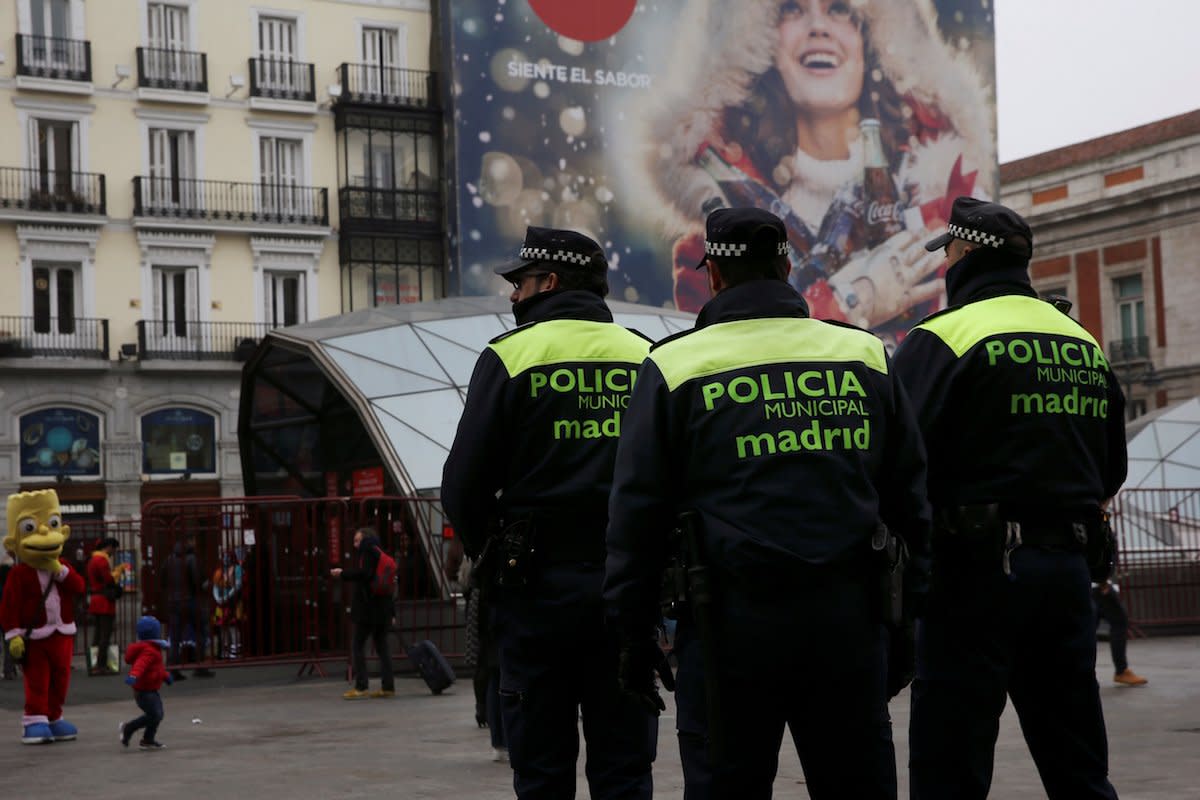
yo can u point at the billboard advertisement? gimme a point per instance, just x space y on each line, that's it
856 121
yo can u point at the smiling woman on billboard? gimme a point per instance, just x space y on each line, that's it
854 121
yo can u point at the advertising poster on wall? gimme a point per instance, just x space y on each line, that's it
856 121
60 441
178 440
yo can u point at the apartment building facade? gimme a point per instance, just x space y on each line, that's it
1116 224
178 177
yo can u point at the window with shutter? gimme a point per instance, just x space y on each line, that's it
277 69
55 298
168 39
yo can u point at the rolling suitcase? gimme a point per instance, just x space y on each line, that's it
431 664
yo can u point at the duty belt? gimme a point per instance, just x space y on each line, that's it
1056 535
987 526
557 536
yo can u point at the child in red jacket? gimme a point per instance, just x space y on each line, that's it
146 675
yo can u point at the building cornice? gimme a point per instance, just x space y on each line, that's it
164 115
55 106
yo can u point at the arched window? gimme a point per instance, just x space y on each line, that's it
178 440
60 441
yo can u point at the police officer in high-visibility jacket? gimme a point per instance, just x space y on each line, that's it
1024 424
527 483
789 439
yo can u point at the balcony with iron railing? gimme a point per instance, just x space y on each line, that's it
190 340
366 207
53 337
177 70
60 192
375 84
230 203
54 58
278 79
1130 350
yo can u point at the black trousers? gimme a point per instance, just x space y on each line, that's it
101 637
986 637
813 664
558 668
375 631
1108 607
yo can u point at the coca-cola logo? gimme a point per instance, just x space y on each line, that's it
587 22
883 212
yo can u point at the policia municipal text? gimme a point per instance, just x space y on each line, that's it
526 486
781 511
1024 423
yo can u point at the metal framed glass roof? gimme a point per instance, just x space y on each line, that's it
401 370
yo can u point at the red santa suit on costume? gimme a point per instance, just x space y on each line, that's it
49 646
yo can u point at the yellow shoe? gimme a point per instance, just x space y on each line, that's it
383 693
1129 678
355 694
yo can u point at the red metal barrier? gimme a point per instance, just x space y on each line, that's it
86 535
428 597
266 594
1159 563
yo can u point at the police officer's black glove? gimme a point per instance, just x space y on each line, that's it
638 662
902 656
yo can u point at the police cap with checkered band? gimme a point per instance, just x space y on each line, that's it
987 225
744 233
558 249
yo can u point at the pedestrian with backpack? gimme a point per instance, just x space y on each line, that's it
373 581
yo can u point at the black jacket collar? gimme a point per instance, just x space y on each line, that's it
753 300
985 273
562 304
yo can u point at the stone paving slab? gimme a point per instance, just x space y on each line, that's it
264 734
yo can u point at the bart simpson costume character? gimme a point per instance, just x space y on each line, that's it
36 535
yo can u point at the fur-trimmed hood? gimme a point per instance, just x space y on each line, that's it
739 40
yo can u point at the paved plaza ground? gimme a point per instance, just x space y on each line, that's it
263 734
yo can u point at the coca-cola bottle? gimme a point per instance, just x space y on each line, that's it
839 237
883 213
741 189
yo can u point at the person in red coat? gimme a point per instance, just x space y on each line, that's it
103 591
39 606
147 674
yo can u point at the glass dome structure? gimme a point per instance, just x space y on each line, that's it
383 386
1159 505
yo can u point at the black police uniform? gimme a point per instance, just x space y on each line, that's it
536 444
790 439
1018 408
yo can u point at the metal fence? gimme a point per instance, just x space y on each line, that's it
193 340
60 191
86 535
266 593
282 79
58 337
266 596
167 68
52 57
1159 563
378 84
366 203
230 201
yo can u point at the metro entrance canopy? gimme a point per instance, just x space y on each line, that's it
380 386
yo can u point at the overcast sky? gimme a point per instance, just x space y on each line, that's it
1071 70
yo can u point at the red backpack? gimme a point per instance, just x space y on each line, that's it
383 583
